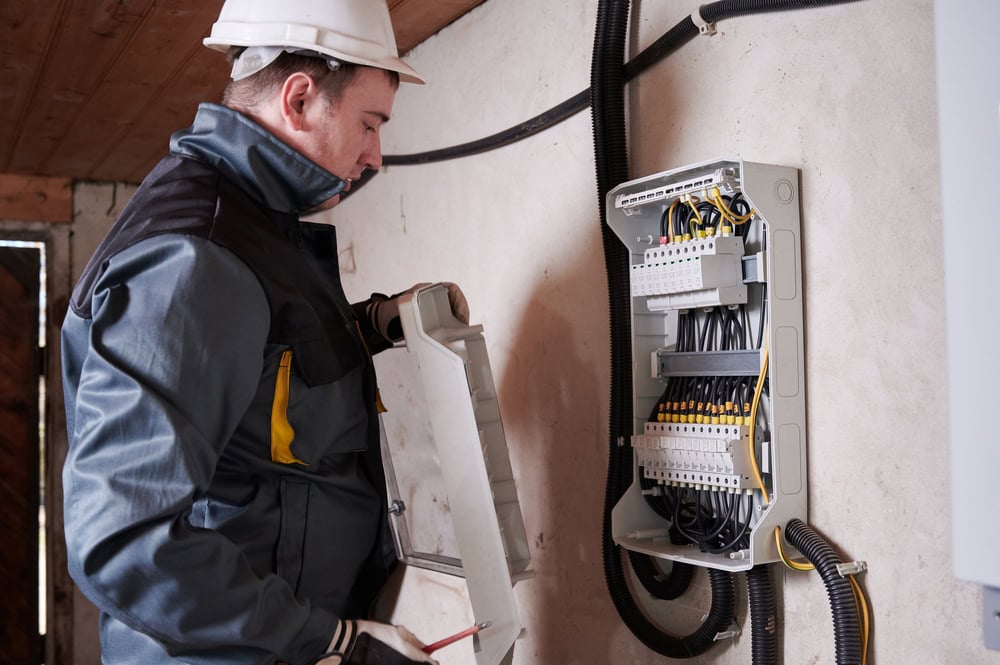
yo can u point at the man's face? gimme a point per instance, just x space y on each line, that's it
345 135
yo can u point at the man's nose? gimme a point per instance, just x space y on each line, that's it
372 156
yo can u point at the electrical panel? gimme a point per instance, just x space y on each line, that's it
719 439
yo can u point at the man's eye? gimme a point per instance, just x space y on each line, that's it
369 129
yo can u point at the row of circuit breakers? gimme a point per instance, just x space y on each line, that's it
716 304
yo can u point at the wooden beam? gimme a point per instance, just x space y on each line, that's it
35 198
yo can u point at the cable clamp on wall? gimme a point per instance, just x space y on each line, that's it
704 27
851 568
734 631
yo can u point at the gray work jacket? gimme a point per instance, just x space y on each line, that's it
224 496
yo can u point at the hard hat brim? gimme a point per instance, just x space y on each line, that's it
225 35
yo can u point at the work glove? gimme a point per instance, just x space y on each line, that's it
371 643
384 312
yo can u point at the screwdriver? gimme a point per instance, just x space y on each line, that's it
431 648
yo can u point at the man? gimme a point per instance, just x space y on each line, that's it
224 493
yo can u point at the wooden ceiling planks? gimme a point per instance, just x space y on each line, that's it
90 38
92 89
138 87
27 32
146 141
416 20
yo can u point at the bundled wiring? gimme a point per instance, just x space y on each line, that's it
851 621
717 520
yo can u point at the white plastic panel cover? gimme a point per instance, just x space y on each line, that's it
450 480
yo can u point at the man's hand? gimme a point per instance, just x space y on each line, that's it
384 314
371 643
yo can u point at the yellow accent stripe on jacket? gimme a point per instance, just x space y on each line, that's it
282 433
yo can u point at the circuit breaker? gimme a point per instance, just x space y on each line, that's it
719 440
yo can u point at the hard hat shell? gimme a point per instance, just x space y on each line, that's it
358 31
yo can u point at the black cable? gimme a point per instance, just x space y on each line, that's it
683 32
745 317
660 585
542 121
663 223
681 331
737 541
846 626
763 616
670 41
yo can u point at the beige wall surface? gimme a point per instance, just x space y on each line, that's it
846 95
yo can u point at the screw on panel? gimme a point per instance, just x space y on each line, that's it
397 507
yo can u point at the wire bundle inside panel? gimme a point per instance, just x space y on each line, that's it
700 456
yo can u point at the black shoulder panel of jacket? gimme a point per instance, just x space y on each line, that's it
297 270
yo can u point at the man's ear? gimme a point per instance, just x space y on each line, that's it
297 92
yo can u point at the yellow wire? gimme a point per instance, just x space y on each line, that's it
753 424
728 214
670 220
859 597
791 563
691 202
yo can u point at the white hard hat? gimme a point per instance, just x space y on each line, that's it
357 31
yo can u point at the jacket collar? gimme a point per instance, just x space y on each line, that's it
273 173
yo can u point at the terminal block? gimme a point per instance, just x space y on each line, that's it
703 272
705 456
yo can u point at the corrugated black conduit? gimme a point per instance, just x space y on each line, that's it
670 41
763 616
660 585
607 87
846 630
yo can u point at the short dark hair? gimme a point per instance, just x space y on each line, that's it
248 94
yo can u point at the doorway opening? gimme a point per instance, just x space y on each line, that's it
23 297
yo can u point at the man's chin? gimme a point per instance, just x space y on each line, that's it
326 205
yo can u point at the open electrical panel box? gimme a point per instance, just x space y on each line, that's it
719 443
453 501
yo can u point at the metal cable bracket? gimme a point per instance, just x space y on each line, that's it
851 568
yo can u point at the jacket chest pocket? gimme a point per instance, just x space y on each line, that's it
319 406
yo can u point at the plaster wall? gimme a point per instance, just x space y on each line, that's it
846 95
